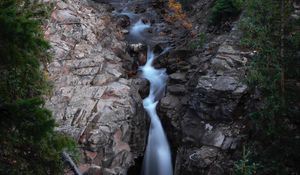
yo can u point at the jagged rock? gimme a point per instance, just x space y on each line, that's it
61 5
192 128
227 143
66 16
227 49
196 160
137 47
124 31
213 138
169 102
225 83
220 65
217 98
94 170
123 21
205 156
91 101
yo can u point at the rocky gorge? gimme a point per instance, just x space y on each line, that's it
97 94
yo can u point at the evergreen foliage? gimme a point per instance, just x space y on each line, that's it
245 166
28 143
223 10
21 47
269 29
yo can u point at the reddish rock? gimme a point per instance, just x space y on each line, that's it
91 155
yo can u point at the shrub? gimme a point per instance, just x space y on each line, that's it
177 14
199 42
245 166
224 10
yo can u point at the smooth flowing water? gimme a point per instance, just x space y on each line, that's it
157 158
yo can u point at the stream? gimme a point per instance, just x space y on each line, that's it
157 157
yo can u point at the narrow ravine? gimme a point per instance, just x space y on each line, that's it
157 157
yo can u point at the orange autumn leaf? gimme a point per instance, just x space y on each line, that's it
177 14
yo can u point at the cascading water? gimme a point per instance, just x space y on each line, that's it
157 158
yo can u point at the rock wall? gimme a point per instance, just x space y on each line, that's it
92 99
207 99
94 102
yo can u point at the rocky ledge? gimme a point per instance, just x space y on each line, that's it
92 100
206 102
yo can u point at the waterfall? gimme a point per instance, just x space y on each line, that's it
157 158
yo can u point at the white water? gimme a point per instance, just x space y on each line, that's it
138 28
157 159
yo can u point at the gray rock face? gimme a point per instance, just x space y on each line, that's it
209 98
177 89
91 100
216 98
178 77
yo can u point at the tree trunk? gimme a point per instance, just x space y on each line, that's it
66 157
282 78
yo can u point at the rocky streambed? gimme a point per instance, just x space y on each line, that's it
97 95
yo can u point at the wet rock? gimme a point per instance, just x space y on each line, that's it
143 88
169 102
178 77
123 21
177 89
124 31
142 58
137 47
139 9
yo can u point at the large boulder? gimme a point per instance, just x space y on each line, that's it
217 98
